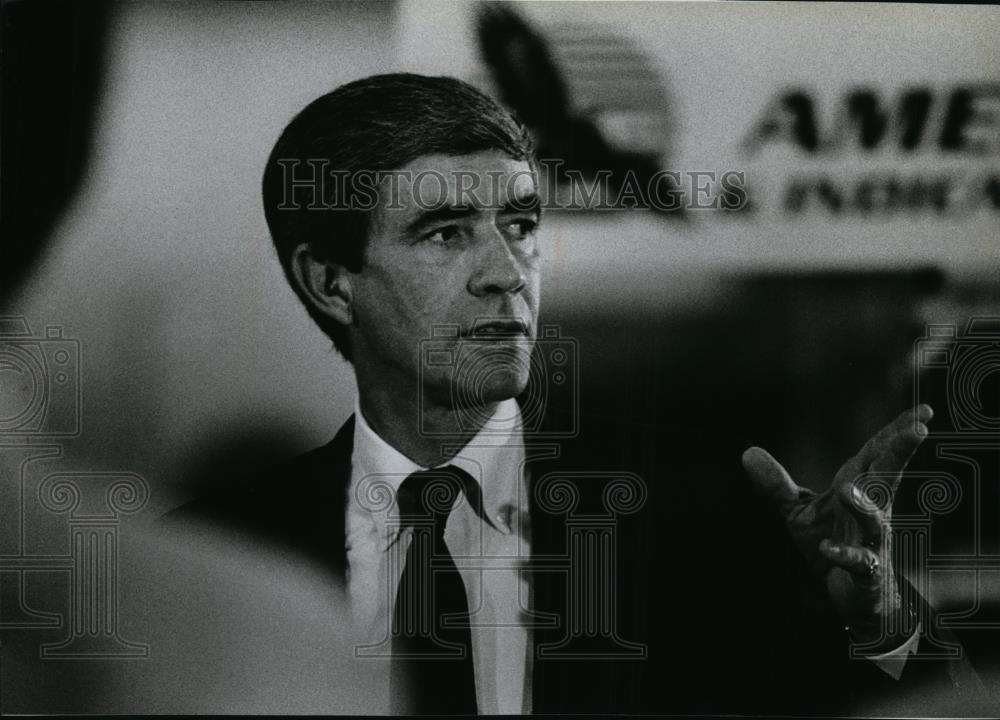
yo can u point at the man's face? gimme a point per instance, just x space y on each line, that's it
451 251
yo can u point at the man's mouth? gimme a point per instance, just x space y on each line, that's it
496 329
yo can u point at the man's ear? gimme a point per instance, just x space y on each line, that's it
326 284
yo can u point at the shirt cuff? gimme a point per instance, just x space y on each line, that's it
893 662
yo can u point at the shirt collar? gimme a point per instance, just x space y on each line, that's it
494 458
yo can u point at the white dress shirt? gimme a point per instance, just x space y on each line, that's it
489 555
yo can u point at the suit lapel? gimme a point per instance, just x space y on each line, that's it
328 473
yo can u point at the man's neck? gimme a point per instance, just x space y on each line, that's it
421 431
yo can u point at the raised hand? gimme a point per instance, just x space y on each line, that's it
841 531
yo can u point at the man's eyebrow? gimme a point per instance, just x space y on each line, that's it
441 214
529 203
448 213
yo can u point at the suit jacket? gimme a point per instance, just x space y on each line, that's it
662 584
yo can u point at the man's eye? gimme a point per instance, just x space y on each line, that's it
523 228
444 235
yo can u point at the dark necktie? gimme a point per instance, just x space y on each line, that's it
432 668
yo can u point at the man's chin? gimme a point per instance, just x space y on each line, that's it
476 406
499 385
493 375
500 391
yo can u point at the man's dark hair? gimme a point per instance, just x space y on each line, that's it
376 124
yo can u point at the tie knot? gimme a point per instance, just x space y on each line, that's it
431 494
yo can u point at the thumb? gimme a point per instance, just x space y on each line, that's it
771 479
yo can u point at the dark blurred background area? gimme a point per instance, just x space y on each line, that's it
53 56
133 139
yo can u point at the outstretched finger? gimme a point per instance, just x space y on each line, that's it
771 479
890 449
904 425
898 451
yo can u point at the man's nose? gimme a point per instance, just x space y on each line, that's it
498 269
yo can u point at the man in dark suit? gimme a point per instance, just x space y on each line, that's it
513 560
